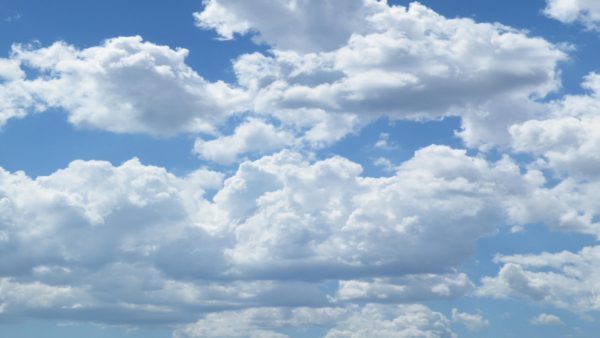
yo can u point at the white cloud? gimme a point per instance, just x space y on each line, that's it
546 319
289 24
568 135
380 321
253 136
472 322
125 85
404 289
274 232
324 220
384 163
259 322
410 63
586 12
563 280
378 60
409 321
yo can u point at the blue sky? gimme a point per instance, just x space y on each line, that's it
340 168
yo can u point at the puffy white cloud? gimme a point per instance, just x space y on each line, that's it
568 136
260 322
586 12
378 60
253 136
563 280
132 244
303 25
409 321
472 322
124 85
15 100
411 63
404 289
323 220
380 321
546 319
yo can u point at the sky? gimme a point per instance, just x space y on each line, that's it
299 168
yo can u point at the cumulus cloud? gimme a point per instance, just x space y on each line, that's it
546 319
472 322
567 136
314 25
377 60
586 12
412 288
381 321
260 322
124 85
324 220
253 136
409 321
564 280
410 63
134 244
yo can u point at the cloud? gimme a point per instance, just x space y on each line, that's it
134 244
260 322
566 136
410 321
404 289
473 322
323 220
275 23
124 85
253 136
409 63
378 60
382 321
586 12
546 319
564 280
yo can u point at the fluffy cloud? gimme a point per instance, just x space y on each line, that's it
125 85
260 322
15 99
472 322
546 319
405 321
566 137
563 280
253 136
399 62
314 25
324 220
412 321
410 63
404 289
586 12
133 243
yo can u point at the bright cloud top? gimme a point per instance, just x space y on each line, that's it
586 12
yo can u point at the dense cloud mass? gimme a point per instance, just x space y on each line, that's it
278 224
388 61
285 237
403 63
